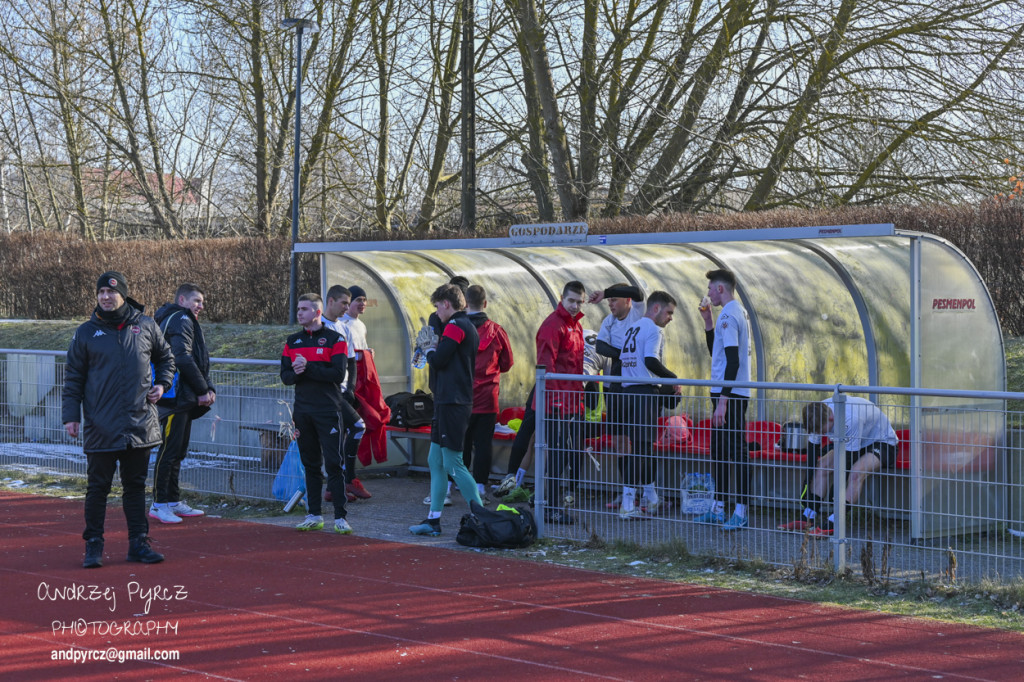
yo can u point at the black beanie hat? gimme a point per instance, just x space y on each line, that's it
113 280
356 292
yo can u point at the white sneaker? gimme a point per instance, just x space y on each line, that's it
341 526
311 522
182 509
447 500
163 515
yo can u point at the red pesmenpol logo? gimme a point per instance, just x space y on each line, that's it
953 304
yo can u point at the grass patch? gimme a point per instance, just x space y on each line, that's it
73 487
987 604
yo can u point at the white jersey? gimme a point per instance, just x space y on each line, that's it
865 424
643 340
613 330
355 332
732 328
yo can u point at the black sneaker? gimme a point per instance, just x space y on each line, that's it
431 527
93 553
139 550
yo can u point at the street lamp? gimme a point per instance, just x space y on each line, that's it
300 25
468 117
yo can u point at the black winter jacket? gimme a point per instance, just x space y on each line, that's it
191 359
107 377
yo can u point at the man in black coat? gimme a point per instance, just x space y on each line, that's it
118 367
454 360
191 398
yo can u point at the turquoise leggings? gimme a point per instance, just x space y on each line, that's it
445 462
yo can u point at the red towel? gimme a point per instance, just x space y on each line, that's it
375 413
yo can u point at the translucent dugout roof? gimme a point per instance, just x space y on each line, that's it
823 310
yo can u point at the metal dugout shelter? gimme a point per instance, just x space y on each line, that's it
862 305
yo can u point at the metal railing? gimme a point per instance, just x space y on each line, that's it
949 505
236 449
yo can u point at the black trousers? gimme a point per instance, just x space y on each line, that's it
564 460
642 406
320 445
177 430
478 448
349 417
134 464
729 452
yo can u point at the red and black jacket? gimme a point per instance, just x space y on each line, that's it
454 361
317 389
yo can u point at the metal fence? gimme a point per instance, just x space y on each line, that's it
949 506
236 449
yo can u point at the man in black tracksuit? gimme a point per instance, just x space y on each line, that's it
453 362
191 398
314 362
118 367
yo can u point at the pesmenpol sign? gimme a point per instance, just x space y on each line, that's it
549 233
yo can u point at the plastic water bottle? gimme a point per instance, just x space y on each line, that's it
419 359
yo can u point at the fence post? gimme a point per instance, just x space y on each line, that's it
839 479
540 449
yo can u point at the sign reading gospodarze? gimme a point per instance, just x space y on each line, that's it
548 233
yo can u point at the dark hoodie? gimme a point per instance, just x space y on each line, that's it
185 336
493 358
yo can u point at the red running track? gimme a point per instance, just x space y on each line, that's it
249 601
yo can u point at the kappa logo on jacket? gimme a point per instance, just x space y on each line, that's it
99 332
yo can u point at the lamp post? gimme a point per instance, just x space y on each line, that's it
468 117
300 25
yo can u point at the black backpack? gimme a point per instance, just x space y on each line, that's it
500 528
410 410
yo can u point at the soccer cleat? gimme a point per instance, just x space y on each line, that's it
93 553
341 526
163 514
431 527
447 500
356 488
799 525
182 509
506 486
650 508
736 522
616 503
140 551
560 517
349 497
825 532
311 522
713 517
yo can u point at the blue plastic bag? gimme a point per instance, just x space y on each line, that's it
291 477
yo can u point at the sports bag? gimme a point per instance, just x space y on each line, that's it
410 410
505 527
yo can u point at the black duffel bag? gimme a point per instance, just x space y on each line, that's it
410 410
500 528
